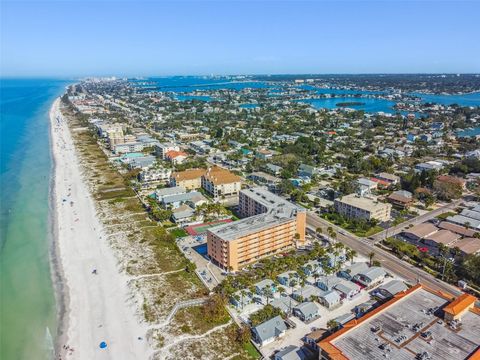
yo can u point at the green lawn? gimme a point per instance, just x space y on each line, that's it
445 215
251 350
178 232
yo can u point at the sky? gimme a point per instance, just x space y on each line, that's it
147 38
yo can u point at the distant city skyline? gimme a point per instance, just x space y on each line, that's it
122 38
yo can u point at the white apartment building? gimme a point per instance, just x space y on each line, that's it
355 206
159 174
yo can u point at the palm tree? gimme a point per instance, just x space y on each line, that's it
243 293
268 293
332 324
350 255
371 256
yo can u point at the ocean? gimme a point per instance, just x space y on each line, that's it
27 298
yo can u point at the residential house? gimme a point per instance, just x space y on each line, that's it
347 289
263 285
284 302
273 169
307 170
314 337
183 215
401 198
176 157
370 277
365 307
286 277
308 292
392 179
161 193
365 184
291 352
174 201
352 270
163 148
313 267
306 311
330 299
327 283
269 331
389 290
264 154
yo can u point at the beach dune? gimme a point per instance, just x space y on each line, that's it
97 307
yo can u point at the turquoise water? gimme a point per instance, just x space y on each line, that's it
193 97
472 99
371 104
248 106
27 311
469 132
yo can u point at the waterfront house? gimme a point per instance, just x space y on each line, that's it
269 331
291 352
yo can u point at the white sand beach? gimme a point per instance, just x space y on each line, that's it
97 305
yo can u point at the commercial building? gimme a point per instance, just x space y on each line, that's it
417 323
190 179
271 225
219 182
362 207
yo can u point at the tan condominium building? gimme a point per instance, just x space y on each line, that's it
190 179
219 182
272 225
355 206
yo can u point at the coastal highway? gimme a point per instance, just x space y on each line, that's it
390 262
415 221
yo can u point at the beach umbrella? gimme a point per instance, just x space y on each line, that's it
103 345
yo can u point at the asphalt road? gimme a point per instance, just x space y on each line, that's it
415 221
390 262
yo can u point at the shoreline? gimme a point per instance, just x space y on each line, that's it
91 308
61 291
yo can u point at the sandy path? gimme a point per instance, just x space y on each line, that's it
97 308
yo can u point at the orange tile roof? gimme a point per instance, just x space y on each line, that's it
460 304
219 176
173 154
189 174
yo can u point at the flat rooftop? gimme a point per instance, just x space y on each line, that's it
269 199
410 325
253 224
362 202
